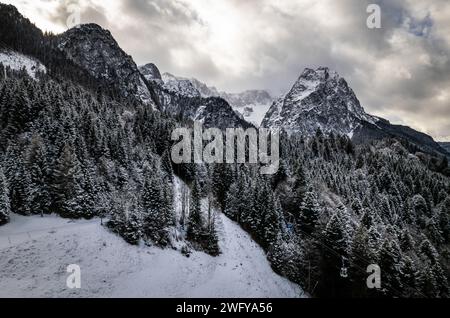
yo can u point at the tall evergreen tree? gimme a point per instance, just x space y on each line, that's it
37 164
360 257
222 179
195 221
65 184
155 220
334 251
5 208
309 213
390 262
19 188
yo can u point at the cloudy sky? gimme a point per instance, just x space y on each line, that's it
400 72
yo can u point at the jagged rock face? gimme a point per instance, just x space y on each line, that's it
205 90
319 99
446 146
179 97
95 49
178 85
322 99
250 105
195 88
213 112
151 72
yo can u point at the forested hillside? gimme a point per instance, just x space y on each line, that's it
70 145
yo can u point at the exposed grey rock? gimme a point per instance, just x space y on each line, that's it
446 146
150 72
321 99
95 49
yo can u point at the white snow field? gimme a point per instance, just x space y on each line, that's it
17 61
257 116
35 253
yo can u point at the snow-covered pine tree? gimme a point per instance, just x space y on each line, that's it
238 200
166 165
153 204
250 217
66 188
132 229
433 231
408 277
169 213
286 255
444 219
195 222
37 165
212 240
334 250
19 188
309 213
390 261
346 221
232 201
5 209
222 179
272 221
299 188
420 209
357 207
361 256
406 241
367 218
427 252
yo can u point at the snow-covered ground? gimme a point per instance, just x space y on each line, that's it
35 253
256 117
17 62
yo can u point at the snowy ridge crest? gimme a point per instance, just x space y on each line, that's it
319 99
251 105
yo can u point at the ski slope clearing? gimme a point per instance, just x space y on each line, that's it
17 62
35 253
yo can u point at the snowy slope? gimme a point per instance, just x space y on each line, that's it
35 252
180 85
17 62
255 114
251 105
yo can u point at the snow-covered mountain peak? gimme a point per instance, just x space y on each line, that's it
180 85
95 50
150 72
322 99
251 105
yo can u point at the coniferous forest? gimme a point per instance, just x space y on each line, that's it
73 147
